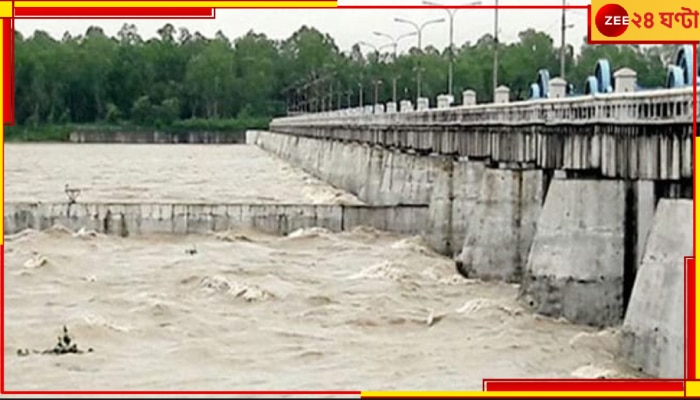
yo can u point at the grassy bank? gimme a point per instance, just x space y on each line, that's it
61 133
41 133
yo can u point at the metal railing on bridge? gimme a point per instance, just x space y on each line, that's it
608 98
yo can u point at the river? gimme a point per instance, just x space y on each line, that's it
316 310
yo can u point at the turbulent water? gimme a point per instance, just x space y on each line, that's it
360 310
167 173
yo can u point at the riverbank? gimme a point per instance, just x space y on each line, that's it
184 131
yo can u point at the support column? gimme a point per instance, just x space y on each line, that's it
577 262
502 208
440 230
652 333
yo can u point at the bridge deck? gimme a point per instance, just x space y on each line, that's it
640 135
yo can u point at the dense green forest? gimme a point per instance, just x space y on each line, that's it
183 80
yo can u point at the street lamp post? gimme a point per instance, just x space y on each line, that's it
451 12
495 50
362 92
419 32
377 83
340 96
394 42
376 50
562 50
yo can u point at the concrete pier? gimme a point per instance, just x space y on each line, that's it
590 240
501 223
576 266
653 338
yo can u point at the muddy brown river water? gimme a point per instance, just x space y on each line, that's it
359 310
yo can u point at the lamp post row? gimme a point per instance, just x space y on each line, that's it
418 31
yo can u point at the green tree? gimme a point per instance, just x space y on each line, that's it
180 78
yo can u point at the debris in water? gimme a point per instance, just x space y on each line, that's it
434 319
72 194
65 345
191 251
37 261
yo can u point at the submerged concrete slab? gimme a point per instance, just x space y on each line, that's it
576 265
652 333
134 219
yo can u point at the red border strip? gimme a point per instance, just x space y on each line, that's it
690 297
114 12
690 294
492 384
168 392
8 65
2 297
584 385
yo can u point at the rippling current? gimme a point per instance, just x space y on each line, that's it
360 310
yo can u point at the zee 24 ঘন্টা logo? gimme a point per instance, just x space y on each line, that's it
613 20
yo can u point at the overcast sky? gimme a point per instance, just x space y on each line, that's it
350 26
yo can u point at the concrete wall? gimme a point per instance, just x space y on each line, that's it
484 216
156 137
653 328
590 239
377 176
141 219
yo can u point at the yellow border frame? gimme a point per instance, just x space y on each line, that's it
6 10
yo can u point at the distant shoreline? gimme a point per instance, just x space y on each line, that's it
157 137
184 131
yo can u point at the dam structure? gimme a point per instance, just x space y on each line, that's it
586 202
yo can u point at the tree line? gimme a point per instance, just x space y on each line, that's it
181 77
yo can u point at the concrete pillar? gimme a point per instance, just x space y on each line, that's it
646 207
440 218
469 97
390 107
443 101
625 80
557 88
406 106
379 108
497 211
369 109
584 252
652 333
501 95
423 103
